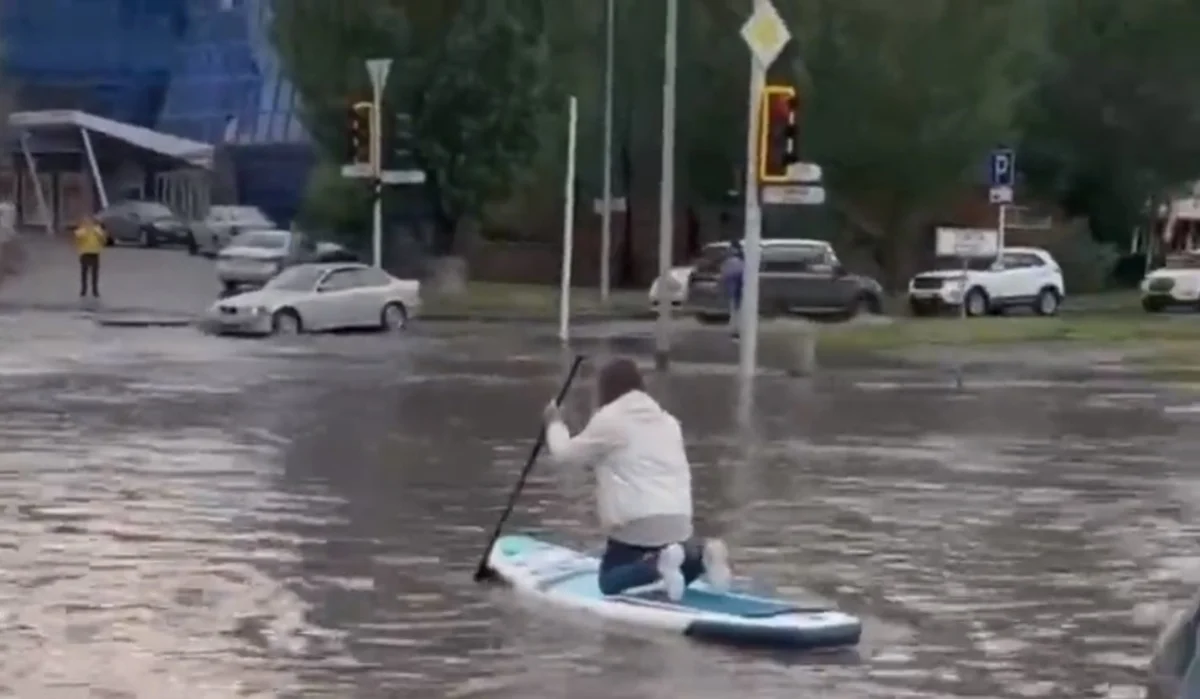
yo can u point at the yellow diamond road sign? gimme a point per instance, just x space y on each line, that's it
765 34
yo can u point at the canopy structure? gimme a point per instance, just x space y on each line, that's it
147 142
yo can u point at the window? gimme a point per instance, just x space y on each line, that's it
1019 260
341 280
266 240
793 258
374 277
296 279
711 258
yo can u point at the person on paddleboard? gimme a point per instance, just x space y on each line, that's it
1175 664
643 487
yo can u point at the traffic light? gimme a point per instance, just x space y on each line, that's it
778 137
358 142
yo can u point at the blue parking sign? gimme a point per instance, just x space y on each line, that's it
1003 167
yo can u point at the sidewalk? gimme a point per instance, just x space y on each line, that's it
132 280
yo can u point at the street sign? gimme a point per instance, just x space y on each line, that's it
1002 167
1001 195
618 205
378 69
967 242
804 172
802 194
402 177
356 170
765 33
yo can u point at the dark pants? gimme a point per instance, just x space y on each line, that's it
624 566
89 269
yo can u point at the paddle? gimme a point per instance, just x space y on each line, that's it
483 572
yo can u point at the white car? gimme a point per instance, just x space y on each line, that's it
1176 284
224 223
1020 277
673 287
317 298
254 257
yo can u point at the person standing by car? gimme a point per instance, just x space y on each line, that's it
89 242
732 271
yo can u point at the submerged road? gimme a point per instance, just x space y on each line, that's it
192 516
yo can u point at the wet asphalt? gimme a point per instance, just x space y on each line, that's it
184 515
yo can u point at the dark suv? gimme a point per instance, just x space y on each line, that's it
798 277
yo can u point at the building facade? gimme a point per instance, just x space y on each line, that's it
198 69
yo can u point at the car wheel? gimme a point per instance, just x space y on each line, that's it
393 317
286 321
1046 303
865 303
976 302
1152 306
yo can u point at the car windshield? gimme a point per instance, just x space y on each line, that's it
1187 260
264 240
296 279
975 264
153 211
711 257
241 214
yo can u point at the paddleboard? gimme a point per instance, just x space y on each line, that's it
561 577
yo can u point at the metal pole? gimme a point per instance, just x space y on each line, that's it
568 252
666 210
101 192
606 211
1001 222
36 181
377 70
376 169
752 242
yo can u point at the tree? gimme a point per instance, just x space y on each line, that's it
472 76
1116 121
905 100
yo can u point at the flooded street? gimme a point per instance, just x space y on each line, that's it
192 516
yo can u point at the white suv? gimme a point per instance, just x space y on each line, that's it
1019 277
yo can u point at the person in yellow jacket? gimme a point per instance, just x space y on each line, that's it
90 239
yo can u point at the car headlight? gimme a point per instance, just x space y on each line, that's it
260 310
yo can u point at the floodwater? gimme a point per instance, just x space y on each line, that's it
192 516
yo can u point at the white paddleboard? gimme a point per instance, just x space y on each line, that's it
561 577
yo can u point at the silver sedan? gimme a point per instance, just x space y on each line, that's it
318 298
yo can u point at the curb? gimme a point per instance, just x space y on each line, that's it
143 322
499 318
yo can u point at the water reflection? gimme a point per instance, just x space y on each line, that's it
303 520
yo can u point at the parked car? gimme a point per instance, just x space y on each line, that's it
224 223
145 223
254 257
1175 285
1018 278
798 276
334 252
319 297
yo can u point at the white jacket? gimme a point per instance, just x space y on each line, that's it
636 450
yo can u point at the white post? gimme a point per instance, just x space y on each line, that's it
101 192
36 181
666 210
377 69
606 212
1001 222
752 241
568 251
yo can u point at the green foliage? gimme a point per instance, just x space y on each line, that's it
902 101
1087 264
471 74
336 206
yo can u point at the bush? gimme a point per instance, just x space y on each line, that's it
1087 264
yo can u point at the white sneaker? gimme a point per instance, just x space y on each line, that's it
716 565
670 563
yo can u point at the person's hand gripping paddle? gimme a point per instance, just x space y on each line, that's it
483 571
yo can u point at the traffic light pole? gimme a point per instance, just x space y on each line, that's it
378 70
752 235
